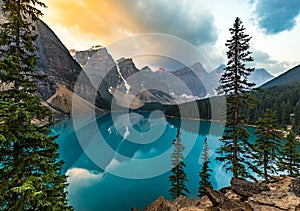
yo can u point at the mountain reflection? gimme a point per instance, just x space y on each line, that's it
132 139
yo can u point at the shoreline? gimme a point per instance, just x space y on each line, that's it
284 132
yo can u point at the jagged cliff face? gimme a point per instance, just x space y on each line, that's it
59 67
55 61
193 82
119 80
101 69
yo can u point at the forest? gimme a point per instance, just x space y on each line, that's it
283 99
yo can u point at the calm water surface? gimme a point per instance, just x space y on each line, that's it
135 169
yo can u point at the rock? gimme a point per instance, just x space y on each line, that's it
274 201
205 202
54 61
161 204
231 195
282 196
183 201
222 202
295 186
192 209
279 198
245 189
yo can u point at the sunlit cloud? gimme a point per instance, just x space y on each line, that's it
78 178
80 24
108 20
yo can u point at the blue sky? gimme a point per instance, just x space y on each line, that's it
273 24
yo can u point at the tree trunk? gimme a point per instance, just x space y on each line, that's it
266 167
234 161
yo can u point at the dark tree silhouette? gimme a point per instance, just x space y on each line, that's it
178 176
30 171
234 83
290 160
267 144
204 173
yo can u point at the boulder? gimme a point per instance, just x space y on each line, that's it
295 186
274 201
219 200
161 204
183 201
245 189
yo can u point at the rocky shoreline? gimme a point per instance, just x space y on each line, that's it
282 193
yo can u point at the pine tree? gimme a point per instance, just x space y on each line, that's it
178 177
204 173
285 114
297 113
30 171
235 148
290 160
267 144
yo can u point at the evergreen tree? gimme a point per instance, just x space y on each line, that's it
30 173
297 113
285 114
267 144
290 160
204 173
178 177
235 148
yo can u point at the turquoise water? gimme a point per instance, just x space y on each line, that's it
123 160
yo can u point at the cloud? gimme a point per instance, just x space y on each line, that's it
78 178
275 16
109 20
263 60
178 18
262 57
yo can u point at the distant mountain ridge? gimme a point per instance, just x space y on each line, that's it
259 76
290 76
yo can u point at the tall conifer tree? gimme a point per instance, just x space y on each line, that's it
178 177
267 144
30 171
235 147
204 173
290 160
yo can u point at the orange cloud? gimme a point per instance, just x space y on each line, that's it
105 21
94 19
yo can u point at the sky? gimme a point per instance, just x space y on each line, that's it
274 25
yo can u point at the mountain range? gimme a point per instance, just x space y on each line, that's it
193 82
288 77
259 76
121 82
104 81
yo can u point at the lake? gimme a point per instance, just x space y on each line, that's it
120 160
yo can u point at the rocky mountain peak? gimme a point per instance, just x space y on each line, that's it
82 57
127 67
161 69
146 68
